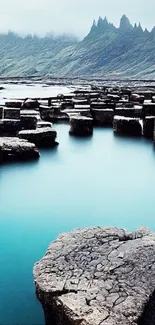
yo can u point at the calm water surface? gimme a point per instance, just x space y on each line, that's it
102 180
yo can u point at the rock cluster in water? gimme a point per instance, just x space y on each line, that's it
22 130
98 276
129 110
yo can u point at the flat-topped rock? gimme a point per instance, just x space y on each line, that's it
98 276
127 126
103 105
103 117
44 124
29 112
15 148
81 125
44 136
82 112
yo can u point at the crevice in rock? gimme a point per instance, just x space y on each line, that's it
148 315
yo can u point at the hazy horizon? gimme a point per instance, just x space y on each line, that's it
70 17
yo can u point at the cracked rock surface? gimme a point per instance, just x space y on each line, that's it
96 276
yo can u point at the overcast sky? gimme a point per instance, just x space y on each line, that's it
70 16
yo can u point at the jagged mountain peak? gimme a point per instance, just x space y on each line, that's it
125 23
102 22
105 51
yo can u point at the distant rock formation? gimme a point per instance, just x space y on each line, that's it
107 51
98 276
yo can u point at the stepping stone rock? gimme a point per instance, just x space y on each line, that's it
81 126
103 117
127 126
41 136
16 149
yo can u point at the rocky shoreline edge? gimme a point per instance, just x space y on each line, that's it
98 276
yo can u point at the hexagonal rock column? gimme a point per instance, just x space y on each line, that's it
81 125
14 148
41 136
103 117
97 276
127 125
148 126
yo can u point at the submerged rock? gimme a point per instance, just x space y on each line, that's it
81 125
15 148
98 276
128 126
41 136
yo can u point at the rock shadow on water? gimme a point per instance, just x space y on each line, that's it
49 149
12 160
81 136
127 136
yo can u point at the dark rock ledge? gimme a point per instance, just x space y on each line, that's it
98 276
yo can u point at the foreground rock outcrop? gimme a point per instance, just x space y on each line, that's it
98 276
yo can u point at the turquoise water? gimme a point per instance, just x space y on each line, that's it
102 180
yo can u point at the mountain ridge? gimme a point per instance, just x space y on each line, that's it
107 51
